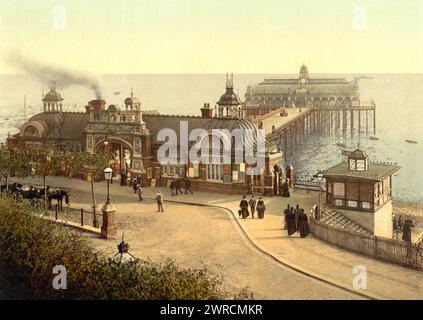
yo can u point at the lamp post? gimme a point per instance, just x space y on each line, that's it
108 176
320 179
108 229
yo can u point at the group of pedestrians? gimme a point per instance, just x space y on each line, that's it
296 221
252 205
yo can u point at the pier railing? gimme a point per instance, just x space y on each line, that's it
395 251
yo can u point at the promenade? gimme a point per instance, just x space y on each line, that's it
308 257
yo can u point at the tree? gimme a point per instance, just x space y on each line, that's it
44 161
12 161
93 165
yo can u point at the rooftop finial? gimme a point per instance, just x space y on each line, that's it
53 85
132 92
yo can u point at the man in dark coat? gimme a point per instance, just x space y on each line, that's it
292 228
406 230
303 226
244 208
135 185
187 185
252 204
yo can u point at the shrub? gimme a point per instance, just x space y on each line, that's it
30 247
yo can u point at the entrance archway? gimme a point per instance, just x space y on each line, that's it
120 154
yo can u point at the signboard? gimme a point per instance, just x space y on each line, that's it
235 175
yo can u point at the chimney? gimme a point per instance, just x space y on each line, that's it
98 104
206 111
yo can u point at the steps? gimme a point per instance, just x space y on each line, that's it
334 218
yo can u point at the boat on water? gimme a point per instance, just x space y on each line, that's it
411 141
340 144
373 138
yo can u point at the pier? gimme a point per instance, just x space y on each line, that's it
287 132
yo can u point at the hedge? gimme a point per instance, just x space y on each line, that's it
30 247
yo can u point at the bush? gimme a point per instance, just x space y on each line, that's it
30 247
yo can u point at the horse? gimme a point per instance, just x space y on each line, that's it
58 194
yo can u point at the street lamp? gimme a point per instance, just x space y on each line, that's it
108 176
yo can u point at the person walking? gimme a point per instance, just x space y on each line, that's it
261 208
135 185
297 212
285 214
303 226
139 192
252 204
292 227
244 208
159 199
187 183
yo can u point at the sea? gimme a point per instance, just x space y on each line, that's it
399 115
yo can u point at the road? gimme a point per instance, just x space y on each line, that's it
200 236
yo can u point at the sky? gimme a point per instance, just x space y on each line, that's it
214 36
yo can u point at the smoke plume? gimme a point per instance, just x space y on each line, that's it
46 73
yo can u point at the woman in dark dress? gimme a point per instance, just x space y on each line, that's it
261 208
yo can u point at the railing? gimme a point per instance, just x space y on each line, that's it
307 185
395 251
82 216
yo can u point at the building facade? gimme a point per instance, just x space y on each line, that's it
132 141
362 191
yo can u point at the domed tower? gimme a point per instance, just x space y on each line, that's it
229 103
132 103
303 75
52 101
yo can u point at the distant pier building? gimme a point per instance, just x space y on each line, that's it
304 91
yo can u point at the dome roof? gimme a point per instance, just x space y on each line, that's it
358 154
229 98
132 100
303 69
52 96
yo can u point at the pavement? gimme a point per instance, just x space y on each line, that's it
310 257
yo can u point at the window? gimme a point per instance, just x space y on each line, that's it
196 170
352 204
352 164
339 189
149 172
164 170
360 165
215 172
339 202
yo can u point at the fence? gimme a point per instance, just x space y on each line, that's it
395 251
308 185
82 216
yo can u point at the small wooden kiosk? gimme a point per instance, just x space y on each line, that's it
362 190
